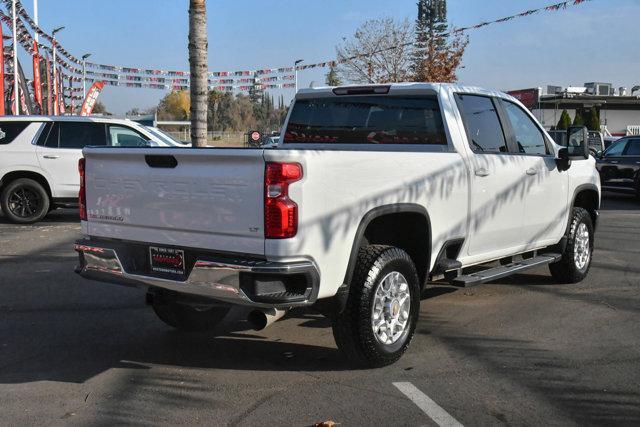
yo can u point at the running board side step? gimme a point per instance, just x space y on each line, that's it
496 273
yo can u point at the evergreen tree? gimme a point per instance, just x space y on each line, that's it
432 21
256 92
578 120
331 78
593 121
431 25
564 122
436 55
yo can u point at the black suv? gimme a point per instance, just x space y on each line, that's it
619 166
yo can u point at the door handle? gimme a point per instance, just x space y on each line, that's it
532 171
482 172
615 162
50 156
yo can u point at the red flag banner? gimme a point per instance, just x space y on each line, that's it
49 88
2 101
92 97
37 88
56 97
60 94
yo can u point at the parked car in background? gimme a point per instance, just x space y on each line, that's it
39 159
619 166
608 140
270 141
167 138
596 140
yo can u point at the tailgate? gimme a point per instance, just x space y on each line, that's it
205 198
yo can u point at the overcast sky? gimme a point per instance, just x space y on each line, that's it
596 41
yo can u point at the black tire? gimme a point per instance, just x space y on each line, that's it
568 270
24 201
188 318
353 330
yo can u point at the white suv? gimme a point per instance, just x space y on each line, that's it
39 159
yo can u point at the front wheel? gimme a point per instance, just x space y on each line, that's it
379 321
24 201
576 258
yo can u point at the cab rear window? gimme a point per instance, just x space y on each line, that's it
366 120
10 131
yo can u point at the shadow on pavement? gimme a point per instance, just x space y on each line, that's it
544 372
75 345
54 217
619 201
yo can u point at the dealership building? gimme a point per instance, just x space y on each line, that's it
619 110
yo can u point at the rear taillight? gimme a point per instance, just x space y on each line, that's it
280 212
82 195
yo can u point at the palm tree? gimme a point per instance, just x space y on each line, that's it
198 65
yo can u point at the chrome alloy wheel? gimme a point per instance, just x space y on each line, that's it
391 308
582 251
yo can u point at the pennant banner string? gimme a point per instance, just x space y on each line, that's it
242 79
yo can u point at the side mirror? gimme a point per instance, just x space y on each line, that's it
577 143
563 161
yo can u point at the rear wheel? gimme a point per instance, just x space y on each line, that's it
576 258
187 317
379 321
24 201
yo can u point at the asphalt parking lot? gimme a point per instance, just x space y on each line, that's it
522 351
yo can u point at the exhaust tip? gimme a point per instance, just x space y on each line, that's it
257 319
260 319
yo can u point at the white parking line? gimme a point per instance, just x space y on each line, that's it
428 406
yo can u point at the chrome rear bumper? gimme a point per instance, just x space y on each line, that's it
226 280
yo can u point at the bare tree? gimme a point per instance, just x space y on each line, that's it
198 65
379 52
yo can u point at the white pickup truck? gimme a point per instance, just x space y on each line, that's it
371 193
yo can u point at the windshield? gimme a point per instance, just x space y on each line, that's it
165 137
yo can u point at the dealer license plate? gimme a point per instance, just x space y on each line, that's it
166 260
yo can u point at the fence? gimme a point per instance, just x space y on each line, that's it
633 130
216 139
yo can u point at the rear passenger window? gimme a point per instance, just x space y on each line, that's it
10 130
79 135
633 149
52 136
617 148
120 136
482 123
529 139
366 120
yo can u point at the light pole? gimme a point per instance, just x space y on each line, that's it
35 18
16 95
84 74
56 106
295 68
71 94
